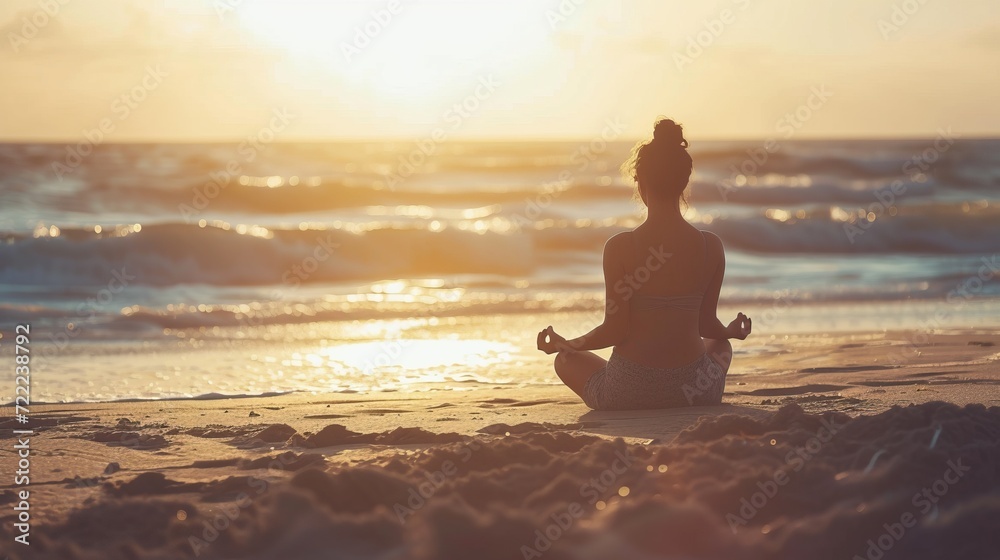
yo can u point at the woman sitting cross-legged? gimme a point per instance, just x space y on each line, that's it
662 282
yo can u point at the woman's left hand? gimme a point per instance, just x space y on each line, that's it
550 342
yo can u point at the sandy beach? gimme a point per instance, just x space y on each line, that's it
393 280
818 453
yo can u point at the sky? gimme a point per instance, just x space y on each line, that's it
205 70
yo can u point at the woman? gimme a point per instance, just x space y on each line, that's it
662 283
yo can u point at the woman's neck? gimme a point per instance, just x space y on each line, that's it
665 214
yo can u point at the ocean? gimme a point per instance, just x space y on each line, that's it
203 270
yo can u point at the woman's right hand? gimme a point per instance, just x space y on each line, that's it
740 327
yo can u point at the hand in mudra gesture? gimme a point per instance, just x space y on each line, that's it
740 327
550 342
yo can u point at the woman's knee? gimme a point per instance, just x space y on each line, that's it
720 350
718 345
564 357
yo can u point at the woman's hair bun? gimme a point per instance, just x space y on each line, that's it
668 133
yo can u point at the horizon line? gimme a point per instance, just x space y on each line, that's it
491 139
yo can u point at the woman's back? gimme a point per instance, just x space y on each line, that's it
670 270
662 283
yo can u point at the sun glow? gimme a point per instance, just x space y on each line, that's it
392 49
414 361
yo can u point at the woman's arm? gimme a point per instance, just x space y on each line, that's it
709 324
614 329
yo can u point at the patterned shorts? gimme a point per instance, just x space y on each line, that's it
626 385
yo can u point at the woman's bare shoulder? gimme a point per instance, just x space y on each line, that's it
619 240
711 238
619 245
713 243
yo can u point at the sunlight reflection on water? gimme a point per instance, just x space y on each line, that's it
414 360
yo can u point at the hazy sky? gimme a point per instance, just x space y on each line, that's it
219 69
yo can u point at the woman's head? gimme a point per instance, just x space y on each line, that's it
661 167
